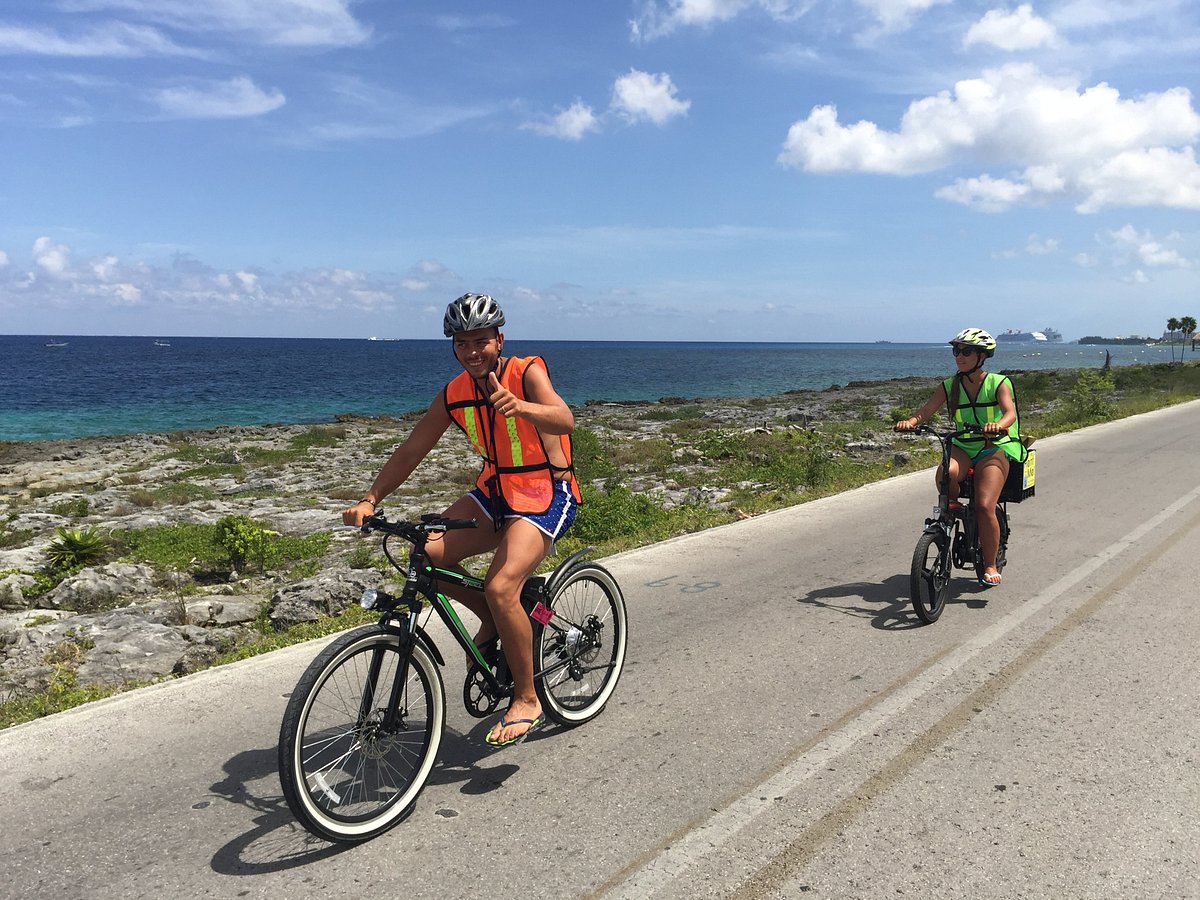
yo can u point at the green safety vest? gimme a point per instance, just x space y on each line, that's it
983 409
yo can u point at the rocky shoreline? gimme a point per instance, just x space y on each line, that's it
124 622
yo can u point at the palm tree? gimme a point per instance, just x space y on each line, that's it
1188 324
1173 325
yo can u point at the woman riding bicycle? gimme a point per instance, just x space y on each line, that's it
985 399
515 420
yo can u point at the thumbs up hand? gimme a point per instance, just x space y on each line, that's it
502 398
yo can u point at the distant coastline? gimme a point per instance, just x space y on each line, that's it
1092 339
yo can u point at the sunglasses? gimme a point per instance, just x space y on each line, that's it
963 351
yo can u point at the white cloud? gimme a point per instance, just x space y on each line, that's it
570 124
50 257
1017 30
236 98
3 259
1037 246
1147 250
895 15
485 21
103 267
1057 140
110 40
640 96
986 194
295 23
659 18
185 285
656 19
1100 13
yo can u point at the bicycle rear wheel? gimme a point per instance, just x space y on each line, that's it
346 773
581 651
929 582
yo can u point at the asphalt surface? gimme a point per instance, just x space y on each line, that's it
784 727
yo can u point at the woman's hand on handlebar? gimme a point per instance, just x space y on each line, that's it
992 428
909 424
355 514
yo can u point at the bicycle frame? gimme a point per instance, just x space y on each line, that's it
948 515
422 579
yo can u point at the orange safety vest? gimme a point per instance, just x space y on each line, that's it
514 457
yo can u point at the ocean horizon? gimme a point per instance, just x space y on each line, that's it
106 385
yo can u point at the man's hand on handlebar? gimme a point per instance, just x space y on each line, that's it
909 424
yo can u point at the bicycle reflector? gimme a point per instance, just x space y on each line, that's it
369 598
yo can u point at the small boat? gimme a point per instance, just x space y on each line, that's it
56 343
162 343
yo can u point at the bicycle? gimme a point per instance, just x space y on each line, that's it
951 537
362 728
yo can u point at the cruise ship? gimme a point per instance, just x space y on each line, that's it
1046 335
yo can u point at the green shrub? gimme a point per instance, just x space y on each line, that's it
180 546
1089 399
614 514
244 541
235 540
76 508
14 537
591 458
324 436
73 548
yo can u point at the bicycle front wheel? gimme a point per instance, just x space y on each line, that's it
580 652
929 582
350 770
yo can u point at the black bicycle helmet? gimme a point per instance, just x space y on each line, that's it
470 312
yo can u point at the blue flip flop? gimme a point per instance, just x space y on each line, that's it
533 724
990 584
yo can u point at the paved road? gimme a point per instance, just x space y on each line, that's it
783 729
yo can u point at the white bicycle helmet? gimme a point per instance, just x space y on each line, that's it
470 312
976 337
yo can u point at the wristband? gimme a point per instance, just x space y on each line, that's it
366 500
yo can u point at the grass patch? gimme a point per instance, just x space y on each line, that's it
62 694
188 546
269 640
14 537
74 508
324 436
673 413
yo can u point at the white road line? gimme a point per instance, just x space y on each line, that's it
724 825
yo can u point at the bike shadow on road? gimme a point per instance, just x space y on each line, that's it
276 842
886 603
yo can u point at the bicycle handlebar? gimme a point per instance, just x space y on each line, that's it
415 531
924 428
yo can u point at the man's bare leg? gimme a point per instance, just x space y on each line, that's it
522 547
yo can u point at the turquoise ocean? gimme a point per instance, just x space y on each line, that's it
65 387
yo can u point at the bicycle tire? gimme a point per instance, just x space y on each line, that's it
348 782
929 581
580 653
1001 551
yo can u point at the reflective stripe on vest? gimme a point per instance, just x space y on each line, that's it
512 449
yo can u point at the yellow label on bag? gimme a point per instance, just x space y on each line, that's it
1027 474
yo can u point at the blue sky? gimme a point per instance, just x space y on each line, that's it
689 169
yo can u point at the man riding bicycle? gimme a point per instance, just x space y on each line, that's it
985 399
511 414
